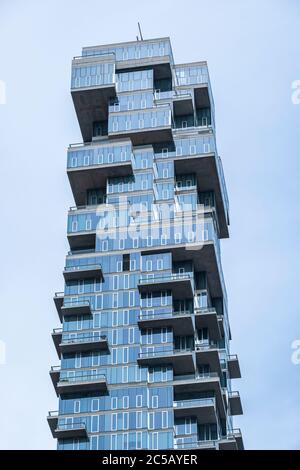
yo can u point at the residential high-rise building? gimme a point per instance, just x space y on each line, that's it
144 343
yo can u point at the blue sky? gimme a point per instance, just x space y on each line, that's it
252 49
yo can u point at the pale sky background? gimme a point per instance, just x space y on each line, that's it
252 49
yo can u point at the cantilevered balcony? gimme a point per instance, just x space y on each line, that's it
182 323
58 300
86 382
199 383
208 318
182 361
233 441
147 126
233 366
205 163
181 284
80 272
183 103
56 337
92 86
235 404
208 354
84 342
66 428
74 307
204 409
201 445
89 165
78 342
195 76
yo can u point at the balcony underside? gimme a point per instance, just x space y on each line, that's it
235 405
203 257
181 324
205 169
150 135
234 368
81 346
161 66
91 104
204 414
228 444
210 321
183 363
69 310
92 177
233 442
56 337
64 388
181 288
65 433
86 273
82 240
58 301
183 106
210 357
206 384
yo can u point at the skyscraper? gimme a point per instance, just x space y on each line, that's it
144 344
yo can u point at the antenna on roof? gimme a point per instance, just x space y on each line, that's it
139 26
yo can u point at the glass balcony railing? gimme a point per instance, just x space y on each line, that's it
203 376
152 316
76 303
71 426
165 277
83 268
195 403
82 378
210 444
83 338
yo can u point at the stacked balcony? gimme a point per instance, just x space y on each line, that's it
233 366
85 271
84 383
203 408
182 361
204 162
181 322
199 383
75 343
66 428
181 285
208 318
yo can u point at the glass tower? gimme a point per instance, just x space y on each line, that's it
144 342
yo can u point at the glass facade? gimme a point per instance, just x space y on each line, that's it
144 341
